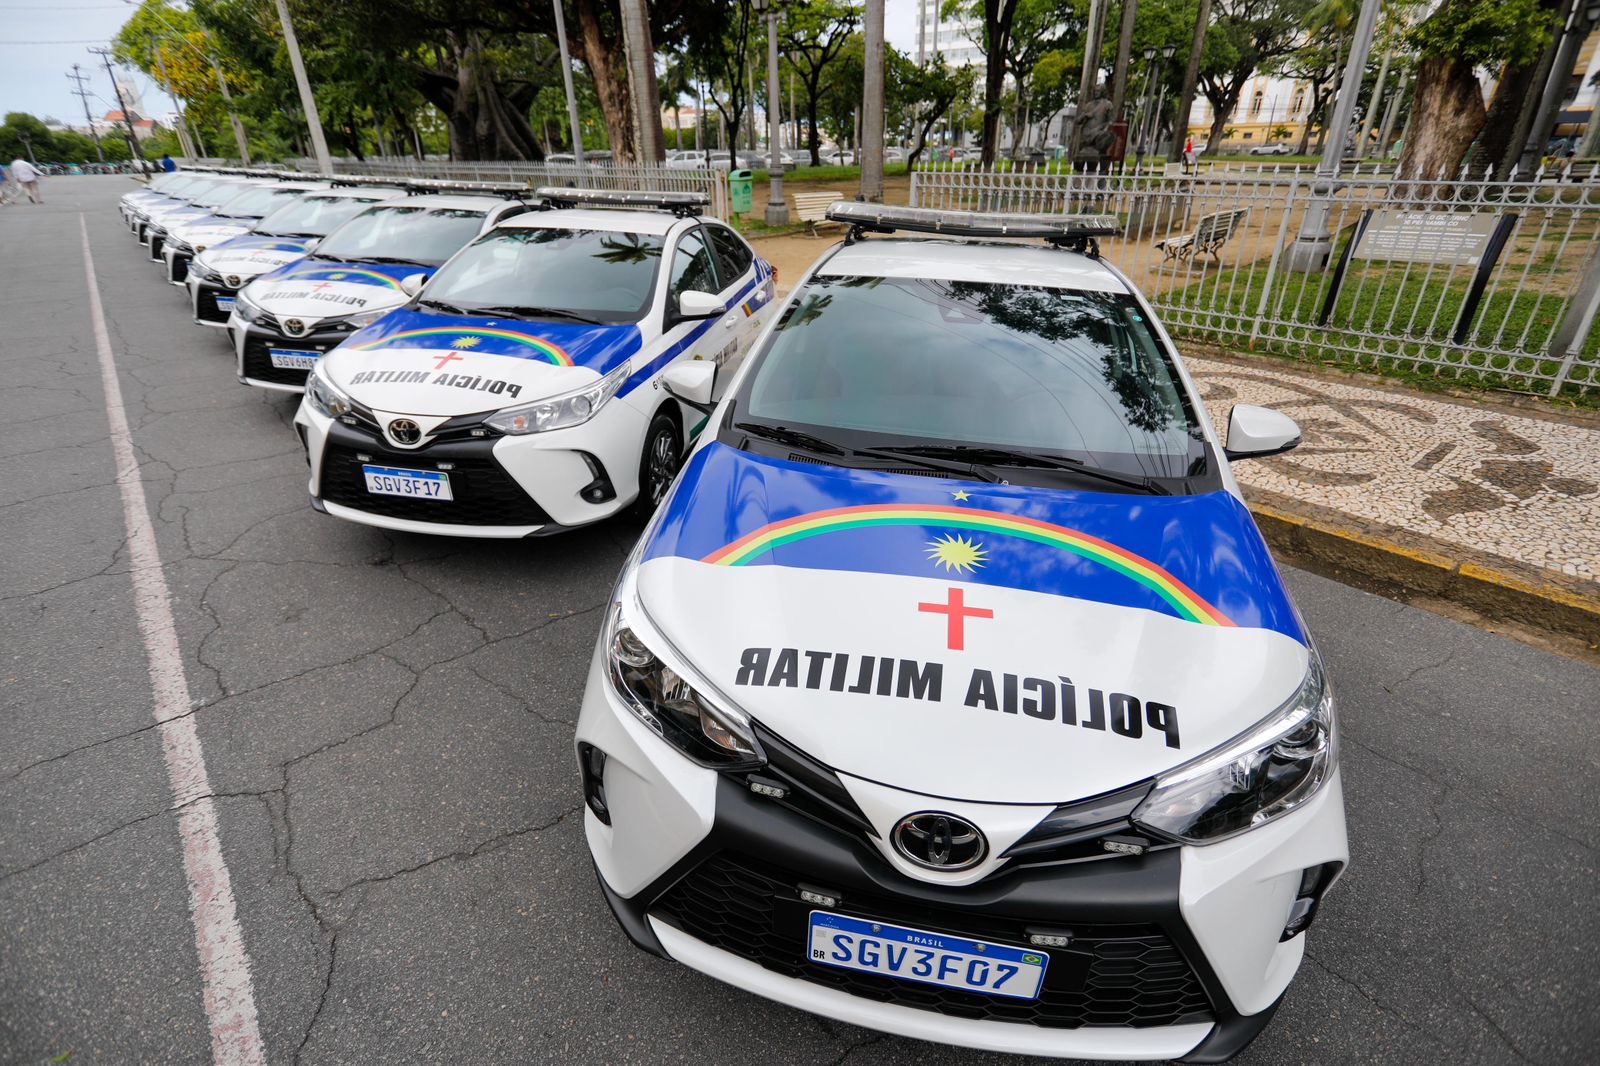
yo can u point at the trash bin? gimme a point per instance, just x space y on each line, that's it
741 190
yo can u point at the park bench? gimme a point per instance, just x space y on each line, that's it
1208 236
812 208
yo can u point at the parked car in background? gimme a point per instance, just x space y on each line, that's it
1267 149
894 155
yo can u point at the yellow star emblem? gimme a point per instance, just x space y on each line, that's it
961 495
337 277
466 342
956 553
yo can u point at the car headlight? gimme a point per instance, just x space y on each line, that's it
362 319
246 309
324 397
200 272
559 412
1263 774
178 244
674 703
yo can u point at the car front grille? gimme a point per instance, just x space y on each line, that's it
1109 975
258 360
206 308
179 270
485 495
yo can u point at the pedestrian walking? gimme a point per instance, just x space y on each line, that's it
5 185
1188 154
167 164
27 176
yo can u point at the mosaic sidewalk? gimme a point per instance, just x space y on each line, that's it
1509 485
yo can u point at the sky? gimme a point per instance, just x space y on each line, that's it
39 42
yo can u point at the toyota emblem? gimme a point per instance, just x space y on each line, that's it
404 431
294 326
233 281
940 841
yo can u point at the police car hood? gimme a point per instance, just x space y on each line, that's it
209 229
446 365
177 214
312 289
248 255
971 641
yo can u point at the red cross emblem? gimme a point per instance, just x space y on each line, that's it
440 360
956 613
319 286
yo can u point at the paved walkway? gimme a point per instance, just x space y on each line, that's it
1514 486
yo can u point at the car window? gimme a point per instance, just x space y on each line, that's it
1058 372
599 274
315 216
691 266
733 256
255 202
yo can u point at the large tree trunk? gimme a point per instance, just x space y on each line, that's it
607 61
1446 115
813 140
1515 104
994 83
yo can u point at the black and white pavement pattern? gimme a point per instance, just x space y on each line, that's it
386 723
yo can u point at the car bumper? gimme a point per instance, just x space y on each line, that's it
504 486
177 262
203 302
1175 953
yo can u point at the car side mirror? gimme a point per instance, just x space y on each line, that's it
311 245
691 382
412 284
1257 432
694 304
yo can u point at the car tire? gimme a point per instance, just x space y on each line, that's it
658 462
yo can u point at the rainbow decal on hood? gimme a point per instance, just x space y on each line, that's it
247 242
356 275
468 339
1183 600
1197 558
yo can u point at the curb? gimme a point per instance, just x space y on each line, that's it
1489 591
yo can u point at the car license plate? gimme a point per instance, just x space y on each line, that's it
417 484
224 303
293 358
928 958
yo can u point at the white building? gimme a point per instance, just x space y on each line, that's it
955 39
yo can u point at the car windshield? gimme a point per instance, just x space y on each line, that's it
314 216
220 195
255 202
403 234
600 275
1036 382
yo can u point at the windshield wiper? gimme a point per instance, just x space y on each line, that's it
449 309
1008 457
792 437
516 311
393 259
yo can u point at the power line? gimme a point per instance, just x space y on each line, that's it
92 40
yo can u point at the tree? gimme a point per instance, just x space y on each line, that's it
720 46
923 95
1245 36
1447 112
814 35
998 17
1516 101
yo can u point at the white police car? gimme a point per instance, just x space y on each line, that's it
285 319
188 237
521 392
952 690
161 188
160 219
175 196
281 238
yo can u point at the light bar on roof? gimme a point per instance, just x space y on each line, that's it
670 201
885 218
441 185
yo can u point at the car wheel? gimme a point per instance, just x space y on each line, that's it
658 464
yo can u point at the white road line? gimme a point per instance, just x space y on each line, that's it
224 966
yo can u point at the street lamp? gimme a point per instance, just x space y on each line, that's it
777 207
1161 96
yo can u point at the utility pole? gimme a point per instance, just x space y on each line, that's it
1191 78
133 138
1119 73
642 77
1584 17
161 65
1314 243
870 154
1393 111
572 98
1374 103
308 103
777 207
80 91
239 138
922 30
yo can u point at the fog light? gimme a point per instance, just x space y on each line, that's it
818 897
592 765
1124 845
1314 882
1049 940
770 789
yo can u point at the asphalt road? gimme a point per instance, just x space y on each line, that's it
387 722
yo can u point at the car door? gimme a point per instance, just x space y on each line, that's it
694 267
745 290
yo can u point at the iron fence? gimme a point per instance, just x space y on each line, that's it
711 183
1216 253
